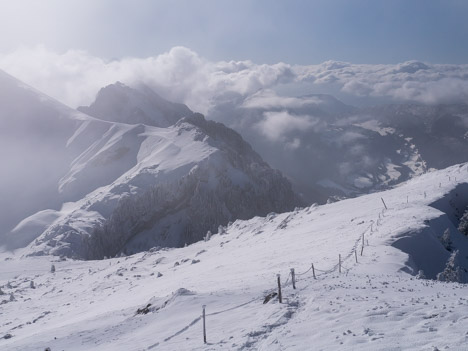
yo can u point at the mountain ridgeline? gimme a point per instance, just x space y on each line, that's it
120 103
115 185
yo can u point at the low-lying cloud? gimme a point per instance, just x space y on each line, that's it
410 81
268 99
277 125
74 77
181 75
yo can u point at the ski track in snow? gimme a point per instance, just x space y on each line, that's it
372 305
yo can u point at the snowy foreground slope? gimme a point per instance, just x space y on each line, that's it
375 304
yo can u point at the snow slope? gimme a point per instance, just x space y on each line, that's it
374 304
77 186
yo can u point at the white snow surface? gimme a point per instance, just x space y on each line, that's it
374 304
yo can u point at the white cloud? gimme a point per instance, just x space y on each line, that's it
75 77
409 81
276 125
180 74
268 99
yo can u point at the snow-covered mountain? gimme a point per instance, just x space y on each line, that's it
392 292
83 187
327 148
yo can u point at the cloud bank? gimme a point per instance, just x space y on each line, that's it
74 77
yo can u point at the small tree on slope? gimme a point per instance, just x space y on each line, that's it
452 272
446 240
463 226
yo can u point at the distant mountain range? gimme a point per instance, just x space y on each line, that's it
84 187
332 150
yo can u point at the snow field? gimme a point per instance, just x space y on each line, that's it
373 305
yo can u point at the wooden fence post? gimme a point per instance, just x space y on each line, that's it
355 255
293 278
280 297
313 271
204 324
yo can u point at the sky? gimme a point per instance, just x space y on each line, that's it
264 31
200 51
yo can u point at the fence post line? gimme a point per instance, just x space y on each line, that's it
204 324
339 263
313 271
355 255
280 297
293 278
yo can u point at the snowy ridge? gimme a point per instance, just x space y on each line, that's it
187 179
120 103
87 188
375 303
